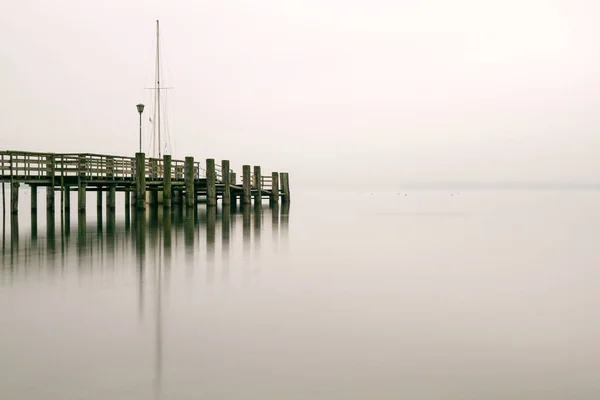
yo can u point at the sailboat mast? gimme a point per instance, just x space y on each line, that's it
158 86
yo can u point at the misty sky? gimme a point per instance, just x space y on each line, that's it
374 91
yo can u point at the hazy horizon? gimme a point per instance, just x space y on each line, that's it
330 91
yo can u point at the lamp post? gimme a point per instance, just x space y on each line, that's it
140 108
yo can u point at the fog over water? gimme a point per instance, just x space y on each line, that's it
346 294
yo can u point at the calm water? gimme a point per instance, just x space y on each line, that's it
346 295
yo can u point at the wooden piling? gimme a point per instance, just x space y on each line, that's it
34 200
190 192
111 200
140 181
166 181
99 197
274 188
50 169
211 181
232 178
82 168
67 197
285 186
14 197
225 176
246 185
257 185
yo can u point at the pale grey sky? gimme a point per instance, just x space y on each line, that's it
374 91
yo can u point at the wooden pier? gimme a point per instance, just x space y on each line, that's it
144 181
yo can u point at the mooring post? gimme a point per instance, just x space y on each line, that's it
111 200
225 176
167 181
81 168
285 186
246 185
110 174
211 182
153 195
50 169
33 189
258 185
67 197
274 188
140 181
190 193
99 197
14 197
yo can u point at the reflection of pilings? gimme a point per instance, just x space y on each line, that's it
257 227
167 237
285 211
140 247
225 235
81 234
34 227
188 235
246 229
275 224
110 231
14 238
211 220
50 232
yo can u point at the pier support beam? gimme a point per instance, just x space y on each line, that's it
225 176
140 181
50 168
211 181
14 197
257 185
190 192
285 186
67 198
99 197
33 198
111 198
82 169
274 188
167 181
246 185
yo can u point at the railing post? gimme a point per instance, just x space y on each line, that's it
81 173
140 181
190 193
50 168
246 185
211 181
166 181
225 175
258 185
274 188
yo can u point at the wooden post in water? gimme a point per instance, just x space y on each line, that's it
99 197
127 194
50 168
81 168
285 186
33 198
110 175
153 195
167 181
246 185
190 192
67 196
140 181
211 181
257 185
274 188
225 176
111 198
14 197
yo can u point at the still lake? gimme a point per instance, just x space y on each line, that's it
343 295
